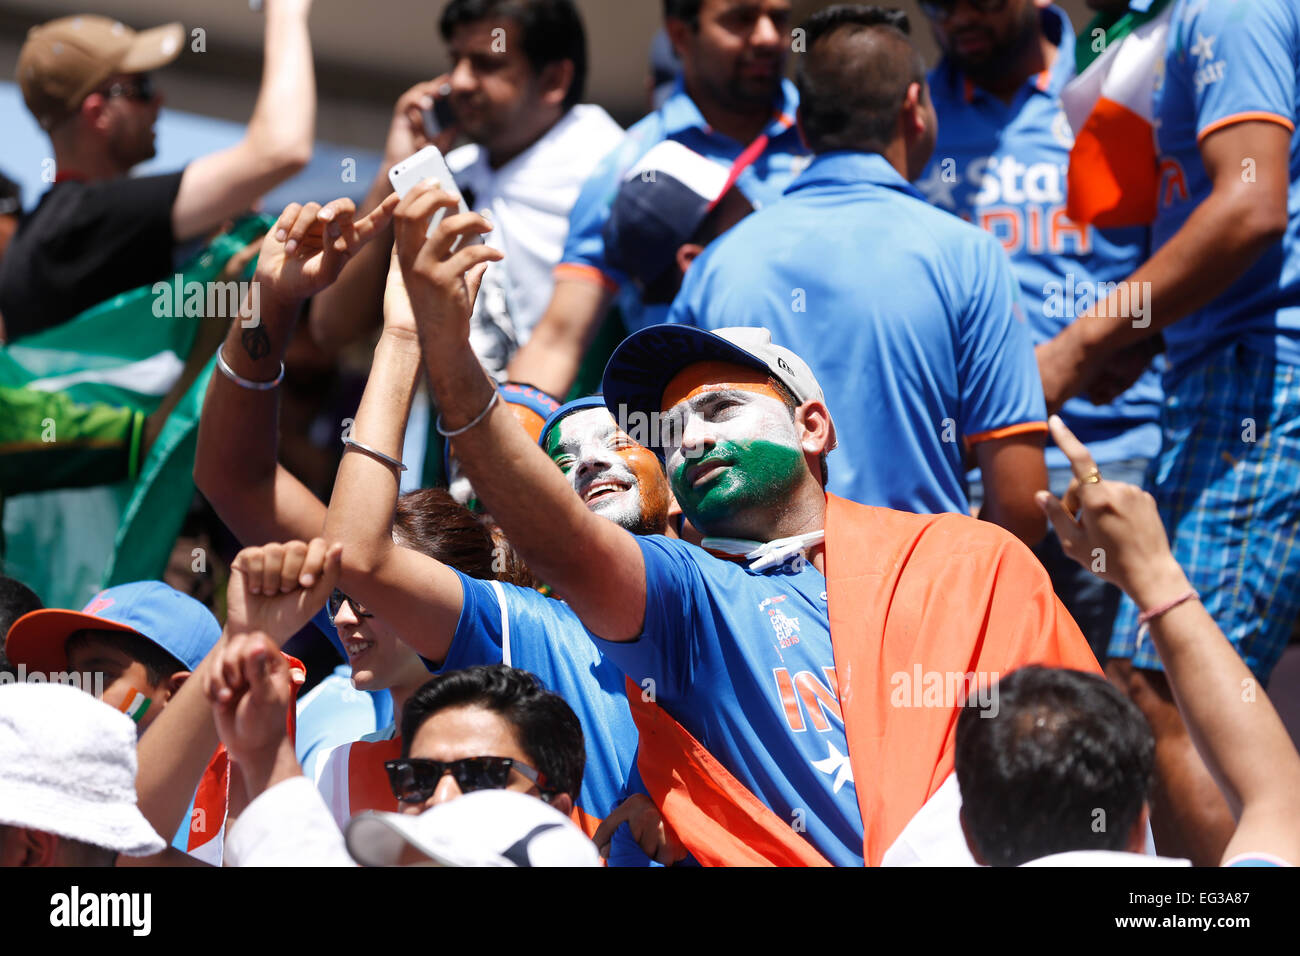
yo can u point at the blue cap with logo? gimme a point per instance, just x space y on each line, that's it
176 622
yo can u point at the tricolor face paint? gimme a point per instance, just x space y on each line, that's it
613 475
734 446
125 681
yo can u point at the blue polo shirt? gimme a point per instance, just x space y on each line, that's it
907 316
677 119
504 624
743 661
1002 166
1229 61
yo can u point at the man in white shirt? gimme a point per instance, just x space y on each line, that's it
518 72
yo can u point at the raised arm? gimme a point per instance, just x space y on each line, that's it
1232 723
591 562
551 357
420 596
235 462
1221 239
278 141
273 591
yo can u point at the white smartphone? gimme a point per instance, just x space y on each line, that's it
428 163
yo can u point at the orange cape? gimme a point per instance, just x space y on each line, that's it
945 592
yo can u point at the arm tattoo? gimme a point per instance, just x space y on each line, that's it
256 341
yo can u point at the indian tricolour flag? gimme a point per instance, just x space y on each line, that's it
134 705
67 544
1114 172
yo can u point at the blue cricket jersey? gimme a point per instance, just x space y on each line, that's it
501 623
743 661
677 119
1229 61
907 316
1003 167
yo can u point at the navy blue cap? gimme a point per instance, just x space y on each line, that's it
660 204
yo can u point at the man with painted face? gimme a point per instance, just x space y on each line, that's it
614 476
778 683
464 622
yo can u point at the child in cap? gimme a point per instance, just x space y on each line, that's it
133 646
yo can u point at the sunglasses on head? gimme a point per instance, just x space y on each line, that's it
139 88
335 605
414 779
938 9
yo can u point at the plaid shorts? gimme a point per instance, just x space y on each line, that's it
1227 482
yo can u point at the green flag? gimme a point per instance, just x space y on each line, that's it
128 351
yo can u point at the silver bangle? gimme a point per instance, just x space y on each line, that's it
460 431
248 383
374 453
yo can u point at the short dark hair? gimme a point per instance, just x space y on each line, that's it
158 663
16 599
849 99
688 11
552 32
1064 763
547 728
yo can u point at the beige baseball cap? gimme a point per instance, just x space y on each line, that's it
63 61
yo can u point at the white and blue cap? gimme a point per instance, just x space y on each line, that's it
176 622
661 204
646 361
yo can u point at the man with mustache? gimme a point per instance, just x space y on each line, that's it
614 476
769 681
732 106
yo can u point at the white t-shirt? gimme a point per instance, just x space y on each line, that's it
529 200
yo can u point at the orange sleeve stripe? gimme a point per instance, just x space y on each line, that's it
1256 115
584 273
1006 432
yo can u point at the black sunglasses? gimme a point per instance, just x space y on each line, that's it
937 9
335 605
139 88
415 779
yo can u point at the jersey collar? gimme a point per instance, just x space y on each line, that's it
851 168
762 556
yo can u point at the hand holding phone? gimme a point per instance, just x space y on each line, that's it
440 117
428 163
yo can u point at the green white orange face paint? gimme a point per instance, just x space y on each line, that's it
734 445
613 475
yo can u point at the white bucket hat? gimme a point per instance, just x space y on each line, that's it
483 828
67 767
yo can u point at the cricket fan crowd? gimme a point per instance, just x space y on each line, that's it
850 463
